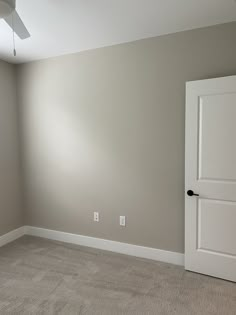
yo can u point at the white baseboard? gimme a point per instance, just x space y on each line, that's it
12 236
117 247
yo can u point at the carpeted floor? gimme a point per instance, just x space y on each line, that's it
39 276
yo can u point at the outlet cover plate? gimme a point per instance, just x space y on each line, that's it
122 220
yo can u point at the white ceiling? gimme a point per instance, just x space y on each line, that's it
66 26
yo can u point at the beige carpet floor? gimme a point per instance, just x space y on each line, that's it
39 276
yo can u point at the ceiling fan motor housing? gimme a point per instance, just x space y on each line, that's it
7 7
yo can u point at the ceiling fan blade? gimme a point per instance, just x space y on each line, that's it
19 26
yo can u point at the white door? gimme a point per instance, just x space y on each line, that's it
210 171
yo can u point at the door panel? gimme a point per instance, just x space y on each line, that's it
213 215
217 124
210 171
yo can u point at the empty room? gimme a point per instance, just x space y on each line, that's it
118 157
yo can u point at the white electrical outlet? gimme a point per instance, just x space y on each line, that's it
96 216
122 220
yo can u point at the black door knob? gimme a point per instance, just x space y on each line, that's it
191 193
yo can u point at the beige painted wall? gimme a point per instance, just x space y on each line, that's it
103 131
10 197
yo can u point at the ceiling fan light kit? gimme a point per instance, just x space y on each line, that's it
6 8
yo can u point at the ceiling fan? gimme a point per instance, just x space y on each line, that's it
9 14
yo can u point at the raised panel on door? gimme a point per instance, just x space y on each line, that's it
213 215
216 134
